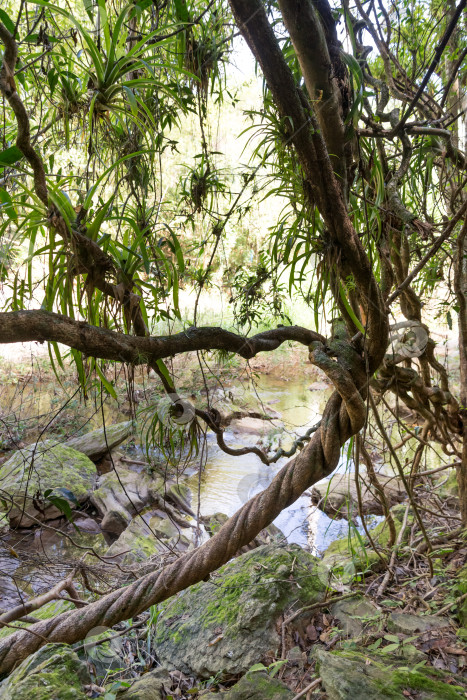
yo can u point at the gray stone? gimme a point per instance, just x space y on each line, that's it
255 686
337 495
154 532
120 495
226 625
53 673
405 623
357 616
145 688
36 468
351 675
99 442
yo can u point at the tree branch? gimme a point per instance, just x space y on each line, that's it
41 326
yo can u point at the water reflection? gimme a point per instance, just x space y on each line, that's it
228 482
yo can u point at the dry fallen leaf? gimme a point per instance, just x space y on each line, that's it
312 633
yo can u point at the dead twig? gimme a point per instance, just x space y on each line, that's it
312 686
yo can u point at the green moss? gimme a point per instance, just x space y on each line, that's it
48 466
385 679
381 532
421 681
146 545
259 572
53 672
355 550
450 487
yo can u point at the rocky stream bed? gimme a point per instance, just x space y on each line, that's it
275 622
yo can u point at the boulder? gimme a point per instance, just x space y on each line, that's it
448 488
345 557
252 426
99 442
351 675
121 494
55 671
35 469
254 686
337 496
145 688
155 532
227 624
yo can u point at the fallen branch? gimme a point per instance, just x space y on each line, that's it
312 686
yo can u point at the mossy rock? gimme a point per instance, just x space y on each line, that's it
145 688
450 487
347 557
380 534
225 625
52 673
255 686
98 443
351 675
35 469
118 497
153 532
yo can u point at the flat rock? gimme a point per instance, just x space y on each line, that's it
406 623
37 468
225 625
251 426
356 616
255 686
98 443
53 672
337 496
351 675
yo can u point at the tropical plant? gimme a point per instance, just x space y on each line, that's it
363 145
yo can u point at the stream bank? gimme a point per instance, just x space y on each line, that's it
244 633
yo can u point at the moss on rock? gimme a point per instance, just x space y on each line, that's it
54 672
352 555
255 686
37 468
348 675
227 624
